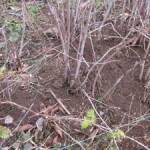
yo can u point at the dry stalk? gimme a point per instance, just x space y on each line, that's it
116 48
59 101
61 27
71 137
83 40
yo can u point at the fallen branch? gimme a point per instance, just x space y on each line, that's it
59 101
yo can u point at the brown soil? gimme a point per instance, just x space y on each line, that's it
121 105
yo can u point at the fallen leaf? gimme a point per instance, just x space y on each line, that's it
16 145
23 68
52 32
136 38
39 123
25 77
8 120
55 140
56 108
48 142
125 15
42 107
84 4
45 110
38 135
84 133
49 109
1 75
46 121
28 146
24 127
45 97
147 138
12 73
93 135
58 130
61 109
15 8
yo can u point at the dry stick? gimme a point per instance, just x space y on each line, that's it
148 9
58 118
77 12
117 48
19 106
129 120
6 45
41 13
99 115
92 45
23 117
132 14
57 21
137 142
111 90
110 3
99 70
71 137
18 125
123 12
141 6
129 5
23 30
54 117
83 42
94 84
59 101
95 109
86 63
144 61
147 76
68 17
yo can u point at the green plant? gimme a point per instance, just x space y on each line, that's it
12 25
111 116
10 108
15 26
119 135
112 148
33 10
4 132
56 146
11 3
115 13
14 36
15 29
89 119
99 3
100 101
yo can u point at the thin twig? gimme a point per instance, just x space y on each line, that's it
72 138
137 142
59 101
